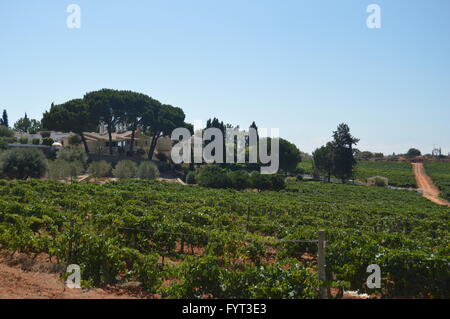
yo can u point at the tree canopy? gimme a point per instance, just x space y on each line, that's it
289 156
4 120
160 120
413 152
27 125
72 116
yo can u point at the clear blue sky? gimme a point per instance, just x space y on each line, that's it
301 66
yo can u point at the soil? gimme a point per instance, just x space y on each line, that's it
24 278
425 184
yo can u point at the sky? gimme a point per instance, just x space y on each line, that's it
300 66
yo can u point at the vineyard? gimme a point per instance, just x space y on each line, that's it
194 242
399 173
306 166
440 174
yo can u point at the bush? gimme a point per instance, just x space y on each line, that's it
47 141
213 176
125 169
147 170
3 145
190 178
75 140
23 163
239 179
45 134
61 169
36 141
273 182
6 131
9 139
259 181
140 152
277 182
161 157
164 167
378 181
100 169
73 155
23 140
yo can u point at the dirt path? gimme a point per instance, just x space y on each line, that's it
36 283
424 182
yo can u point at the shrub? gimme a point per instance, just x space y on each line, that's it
73 155
190 178
259 181
100 169
277 182
140 152
45 134
268 181
3 145
61 169
213 176
47 141
164 167
161 157
9 139
378 181
23 140
125 169
6 131
35 141
75 140
239 179
23 163
147 170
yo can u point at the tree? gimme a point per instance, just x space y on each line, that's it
35 126
215 123
6 131
323 160
4 120
107 108
23 124
161 120
364 156
21 163
413 152
72 116
343 152
136 106
289 156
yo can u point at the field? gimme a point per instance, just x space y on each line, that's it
440 174
186 241
307 166
399 173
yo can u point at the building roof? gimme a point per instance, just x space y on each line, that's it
116 137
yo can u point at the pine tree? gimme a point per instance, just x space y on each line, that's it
4 119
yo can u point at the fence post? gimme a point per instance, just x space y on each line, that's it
321 262
248 217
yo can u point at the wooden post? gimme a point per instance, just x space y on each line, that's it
321 262
248 217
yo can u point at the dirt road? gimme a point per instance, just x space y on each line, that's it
35 283
424 182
